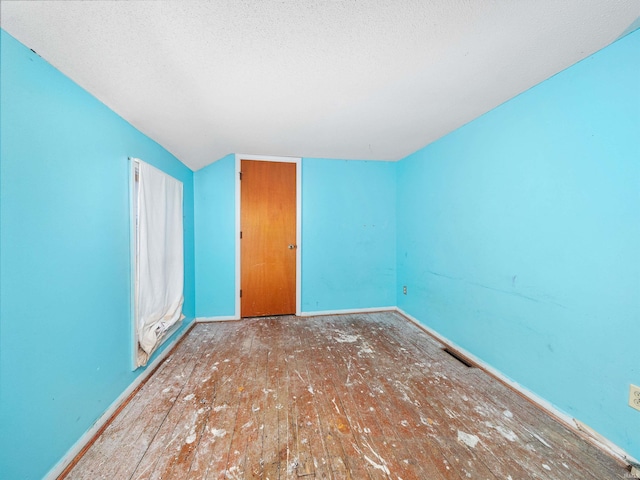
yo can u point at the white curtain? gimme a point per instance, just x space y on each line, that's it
159 258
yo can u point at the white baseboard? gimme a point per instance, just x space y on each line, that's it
223 318
572 423
77 447
347 311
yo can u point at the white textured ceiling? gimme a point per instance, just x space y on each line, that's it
350 79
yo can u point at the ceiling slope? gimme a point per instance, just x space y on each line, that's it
372 79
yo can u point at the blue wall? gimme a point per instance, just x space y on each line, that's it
65 329
215 237
519 239
348 234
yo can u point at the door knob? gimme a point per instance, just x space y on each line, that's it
292 246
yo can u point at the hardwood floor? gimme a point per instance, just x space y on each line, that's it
347 397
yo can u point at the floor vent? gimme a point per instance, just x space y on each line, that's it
458 356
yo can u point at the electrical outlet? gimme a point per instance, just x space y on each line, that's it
404 289
634 397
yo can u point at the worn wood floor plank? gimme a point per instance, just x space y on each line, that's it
385 407
357 399
161 443
123 442
366 396
275 394
337 433
414 392
299 415
503 413
230 394
198 395
220 370
393 381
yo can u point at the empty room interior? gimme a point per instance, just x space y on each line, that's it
325 239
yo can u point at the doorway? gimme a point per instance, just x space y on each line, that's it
269 236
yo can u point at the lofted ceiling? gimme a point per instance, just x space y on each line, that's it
349 79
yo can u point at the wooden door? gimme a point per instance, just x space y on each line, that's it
268 238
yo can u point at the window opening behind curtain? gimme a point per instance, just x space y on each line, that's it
158 258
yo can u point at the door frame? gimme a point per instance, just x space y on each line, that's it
271 158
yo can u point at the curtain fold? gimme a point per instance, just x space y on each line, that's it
159 259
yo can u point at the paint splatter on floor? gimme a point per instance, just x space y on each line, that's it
352 396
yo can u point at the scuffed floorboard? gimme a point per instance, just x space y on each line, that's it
366 396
